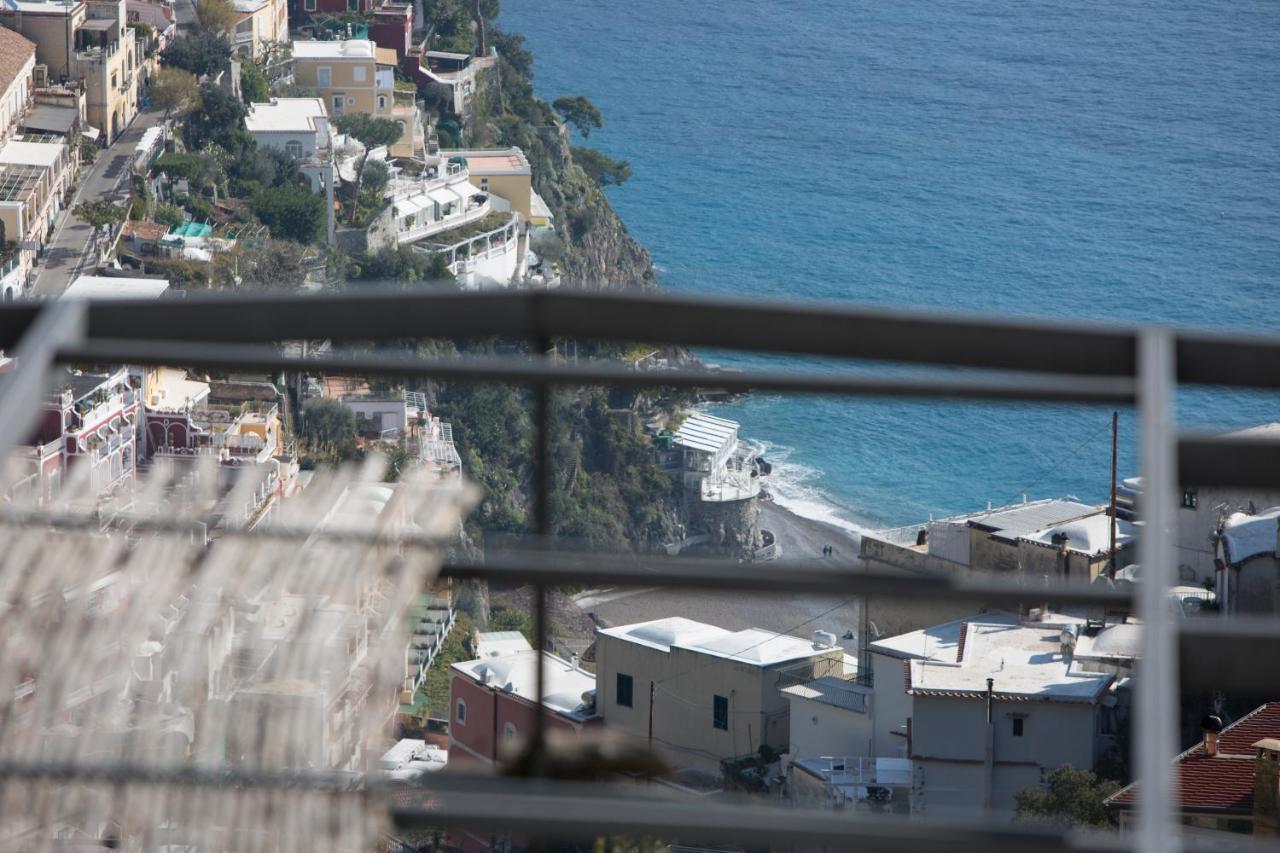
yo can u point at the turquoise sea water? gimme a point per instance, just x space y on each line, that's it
1118 161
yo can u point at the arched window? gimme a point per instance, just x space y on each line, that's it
382 102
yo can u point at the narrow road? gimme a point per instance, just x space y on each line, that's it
69 252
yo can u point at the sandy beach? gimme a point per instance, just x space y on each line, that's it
801 539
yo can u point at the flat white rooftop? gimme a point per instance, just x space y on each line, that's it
1090 535
1025 663
107 287
706 432
517 673
349 49
285 114
32 153
753 646
40 8
938 642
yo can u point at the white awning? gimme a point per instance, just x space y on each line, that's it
464 190
90 132
442 195
412 206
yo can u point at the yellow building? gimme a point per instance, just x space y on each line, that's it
17 60
259 25
357 76
505 173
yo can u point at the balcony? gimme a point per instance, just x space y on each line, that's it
1049 363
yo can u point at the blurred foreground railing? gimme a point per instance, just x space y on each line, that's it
998 359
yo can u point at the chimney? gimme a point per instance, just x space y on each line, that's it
1266 788
1212 727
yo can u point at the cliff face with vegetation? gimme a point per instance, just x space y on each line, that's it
607 490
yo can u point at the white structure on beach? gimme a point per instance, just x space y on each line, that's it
711 459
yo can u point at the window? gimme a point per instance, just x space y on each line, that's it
337 103
353 5
382 102
1190 499
720 712
324 77
309 5
461 714
1017 726
293 148
358 73
484 184
624 693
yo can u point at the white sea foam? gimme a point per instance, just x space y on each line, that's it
793 486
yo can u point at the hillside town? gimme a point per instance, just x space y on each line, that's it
150 150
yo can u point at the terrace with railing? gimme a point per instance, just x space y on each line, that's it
959 359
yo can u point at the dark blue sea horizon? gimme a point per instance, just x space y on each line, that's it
1115 162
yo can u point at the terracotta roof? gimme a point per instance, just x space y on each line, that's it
144 230
14 53
1223 782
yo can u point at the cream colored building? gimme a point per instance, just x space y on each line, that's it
17 60
503 172
34 177
701 693
357 76
89 42
259 25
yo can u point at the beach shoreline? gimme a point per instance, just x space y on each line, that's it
800 538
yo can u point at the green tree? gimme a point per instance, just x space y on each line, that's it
174 166
269 263
175 90
216 16
291 213
200 53
219 119
605 171
580 113
170 215
99 214
375 175
1072 798
253 84
372 132
329 428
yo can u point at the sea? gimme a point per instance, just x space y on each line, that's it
1110 162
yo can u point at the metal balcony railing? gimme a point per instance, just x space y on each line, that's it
1039 362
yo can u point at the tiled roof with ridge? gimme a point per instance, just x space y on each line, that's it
15 50
1222 782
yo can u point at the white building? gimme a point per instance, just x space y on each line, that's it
991 707
300 128
705 693
711 460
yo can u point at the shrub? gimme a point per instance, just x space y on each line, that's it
291 213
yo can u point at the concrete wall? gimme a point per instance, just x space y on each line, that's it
890 707
818 728
515 189
1256 586
991 554
1196 526
948 737
280 139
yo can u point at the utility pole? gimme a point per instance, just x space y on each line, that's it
650 716
1115 433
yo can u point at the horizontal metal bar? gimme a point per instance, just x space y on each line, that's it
799 329
231 777
1235 359
555 811
1225 460
337 533
1239 655
549 568
1062 389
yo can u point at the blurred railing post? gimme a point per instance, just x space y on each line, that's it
1156 713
